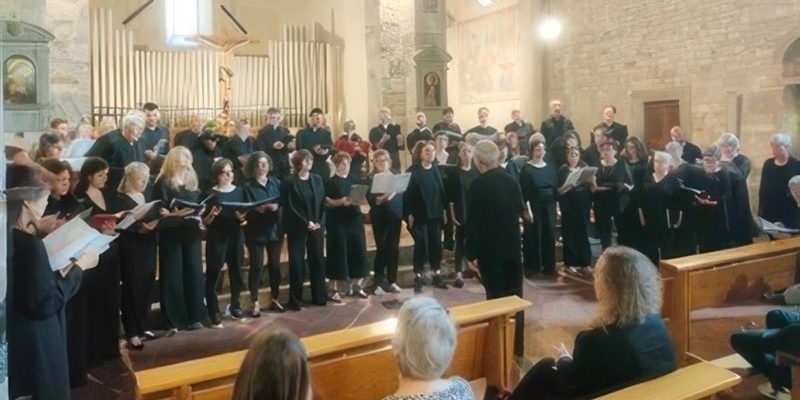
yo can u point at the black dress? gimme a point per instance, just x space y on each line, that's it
138 250
37 341
424 200
606 203
180 263
456 185
224 245
629 227
263 231
540 188
346 242
655 206
574 206
721 226
303 201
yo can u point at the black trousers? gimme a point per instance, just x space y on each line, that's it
103 305
181 276
605 210
461 243
539 240
575 231
77 325
427 244
386 230
758 347
503 278
302 243
138 257
256 252
223 247
538 383
447 230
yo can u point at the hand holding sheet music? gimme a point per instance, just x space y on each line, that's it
581 176
767 226
73 239
386 182
358 194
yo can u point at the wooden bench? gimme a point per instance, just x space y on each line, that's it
356 363
694 382
712 279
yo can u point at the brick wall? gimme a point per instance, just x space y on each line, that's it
610 52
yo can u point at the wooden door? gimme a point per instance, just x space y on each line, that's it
659 118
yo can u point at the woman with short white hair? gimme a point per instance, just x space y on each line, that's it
423 346
737 163
775 202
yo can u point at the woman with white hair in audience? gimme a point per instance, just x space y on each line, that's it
738 163
775 201
423 345
627 344
654 208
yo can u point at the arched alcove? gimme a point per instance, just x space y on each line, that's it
791 60
19 80
791 91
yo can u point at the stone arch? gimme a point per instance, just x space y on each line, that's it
791 60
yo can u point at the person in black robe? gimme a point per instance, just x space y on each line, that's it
731 158
605 197
456 184
423 210
263 230
657 193
238 148
512 168
179 250
203 158
61 202
386 135
539 185
37 295
592 154
494 205
420 133
682 237
121 147
723 214
568 140
554 128
574 202
353 145
190 137
629 175
483 128
138 257
616 130
317 140
386 217
303 202
691 152
522 128
276 141
346 241
775 201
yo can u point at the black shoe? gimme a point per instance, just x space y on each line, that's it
293 307
458 283
276 306
237 313
438 282
195 327
418 284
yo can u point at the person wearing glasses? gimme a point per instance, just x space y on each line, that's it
386 215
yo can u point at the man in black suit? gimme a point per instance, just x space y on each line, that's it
691 151
121 147
386 135
316 138
421 133
275 140
617 131
494 206
522 128
556 126
154 133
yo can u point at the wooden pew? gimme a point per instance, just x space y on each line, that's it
694 382
711 279
356 363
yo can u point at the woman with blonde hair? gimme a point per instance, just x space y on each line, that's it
628 343
137 249
179 253
423 345
275 368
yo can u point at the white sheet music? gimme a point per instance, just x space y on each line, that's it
72 239
358 194
386 182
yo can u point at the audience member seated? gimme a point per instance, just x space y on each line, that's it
423 345
629 343
758 347
275 368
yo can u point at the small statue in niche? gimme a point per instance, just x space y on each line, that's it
432 90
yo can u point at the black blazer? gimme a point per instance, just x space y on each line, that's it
295 210
118 152
610 358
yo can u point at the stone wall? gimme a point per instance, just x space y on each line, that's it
397 52
706 54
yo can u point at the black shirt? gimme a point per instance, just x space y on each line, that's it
444 126
553 129
337 188
494 205
226 220
236 147
188 139
418 135
617 131
262 227
267 137
202 159
539 184
391 145
691 152
425 194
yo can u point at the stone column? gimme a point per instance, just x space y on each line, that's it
431 57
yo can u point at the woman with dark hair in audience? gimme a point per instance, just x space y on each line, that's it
346 242
574 202
358 149
138 252
102 284
723 213
423 346
423 209
50 145
628 344
224 243
179 251
275 368
37 295
630 174
456 184
731 158
605 197
386 217
61 202
539 184
263 231
303 201
657 194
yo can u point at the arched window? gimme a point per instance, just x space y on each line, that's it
19 80
187 18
